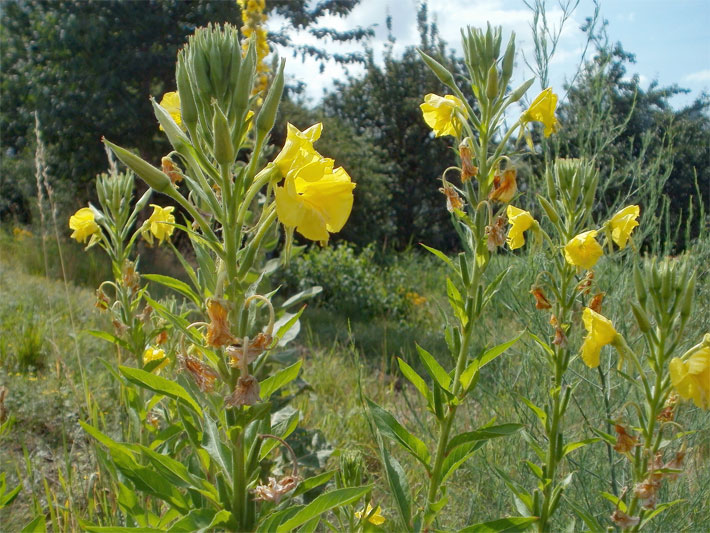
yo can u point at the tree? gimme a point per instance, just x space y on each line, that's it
88 67
383 105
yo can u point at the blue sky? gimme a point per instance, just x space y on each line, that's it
670 38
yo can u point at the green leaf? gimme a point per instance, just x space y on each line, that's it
7 497
492 287
542 415
397 481
278 380
105 335
160 385
568 448
513 524
542 344
535 469
200 521
313 482
212 444
177 285
306 294
284 422
274 519
323 503
456 302
287 327
457 457
119 529
436 371
592 523
659 509
416 380
392 429
522 496
487 356
440 255
482 434
616 501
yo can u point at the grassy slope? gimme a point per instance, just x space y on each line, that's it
48 402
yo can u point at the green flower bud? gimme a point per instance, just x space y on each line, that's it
641 293
267 114
688 298
154 178
223 147
492 83
439 70
508 59
550 183
188 110
590 194
641 317
518 93
549 209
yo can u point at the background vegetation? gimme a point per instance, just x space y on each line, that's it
87 68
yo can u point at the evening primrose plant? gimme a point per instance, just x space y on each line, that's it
212 382
477 195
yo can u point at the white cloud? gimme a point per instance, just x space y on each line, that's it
700 76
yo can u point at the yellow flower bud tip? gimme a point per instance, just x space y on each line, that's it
520 221
583 250
623 223
600 332
161 222
543 110
691 378
83 224
155 354
375 517
171 103
443 114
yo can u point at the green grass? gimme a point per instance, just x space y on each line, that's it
39 367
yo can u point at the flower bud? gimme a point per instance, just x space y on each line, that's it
549 209
492 83
439 70
508 59
641 317
688 297
188 110
223 147
550 183
154 178
267 115
518 93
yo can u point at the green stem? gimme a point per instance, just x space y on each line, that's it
239 489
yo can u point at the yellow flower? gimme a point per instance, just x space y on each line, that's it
600 332
543 110
155 354
442 114
83 224
375 518
171 104
583 250
623 223
520 221
160 223
298 150
691 378
315 200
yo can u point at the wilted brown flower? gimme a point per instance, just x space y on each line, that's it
203 375
647 491
504 188
131 278
257 346
468 169
144 316
553 321
152 419
541 301
245 393
102 301
218 329
274 490
170 168
624 521
585 285
667 414
162 337
119 327
453 200
560 338
675 464
596 303
495 233
624 442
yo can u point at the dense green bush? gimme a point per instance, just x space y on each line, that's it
353 284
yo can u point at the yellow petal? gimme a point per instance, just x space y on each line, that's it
623 223
583 250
